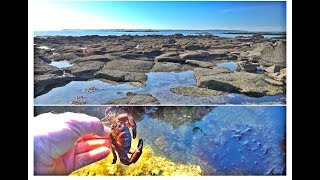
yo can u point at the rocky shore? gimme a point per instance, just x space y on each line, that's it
127 59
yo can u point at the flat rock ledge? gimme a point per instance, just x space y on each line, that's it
136 99
196 91
236 82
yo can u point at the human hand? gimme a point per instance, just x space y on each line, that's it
66 142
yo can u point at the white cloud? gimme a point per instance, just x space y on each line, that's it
232 10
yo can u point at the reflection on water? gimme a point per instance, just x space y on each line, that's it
60 64
158 84
64 95
225 140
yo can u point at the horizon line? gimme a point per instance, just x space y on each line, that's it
150 29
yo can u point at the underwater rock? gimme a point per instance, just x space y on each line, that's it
78 100
149 164
177 116
90 89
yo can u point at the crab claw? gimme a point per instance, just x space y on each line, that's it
137 153
133 125
128 119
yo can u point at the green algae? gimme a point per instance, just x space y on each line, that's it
149 164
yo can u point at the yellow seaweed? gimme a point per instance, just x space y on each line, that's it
148 164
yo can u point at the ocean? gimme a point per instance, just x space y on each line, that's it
77 32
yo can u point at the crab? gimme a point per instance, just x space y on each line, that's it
121 138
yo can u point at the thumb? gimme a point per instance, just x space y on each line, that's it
84 124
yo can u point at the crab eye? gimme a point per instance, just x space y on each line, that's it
119 126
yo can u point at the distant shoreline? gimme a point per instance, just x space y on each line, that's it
261 33
157 30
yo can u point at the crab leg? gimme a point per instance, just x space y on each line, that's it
114 154
108 110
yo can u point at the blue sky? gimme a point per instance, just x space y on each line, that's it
254 16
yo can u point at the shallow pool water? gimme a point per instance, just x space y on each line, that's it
65 95
158 84
60 64
227 140
224 140
232 66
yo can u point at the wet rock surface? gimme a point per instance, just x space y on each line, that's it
196 91
238 82
121 76
200 63
136 99
248 66
166 67
129 66
41 68
44 83
85 69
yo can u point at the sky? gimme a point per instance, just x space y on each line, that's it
196 15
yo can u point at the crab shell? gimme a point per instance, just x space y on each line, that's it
121 133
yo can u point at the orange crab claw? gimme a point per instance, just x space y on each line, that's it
137 153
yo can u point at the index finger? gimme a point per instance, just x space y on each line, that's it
91 137
83 124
